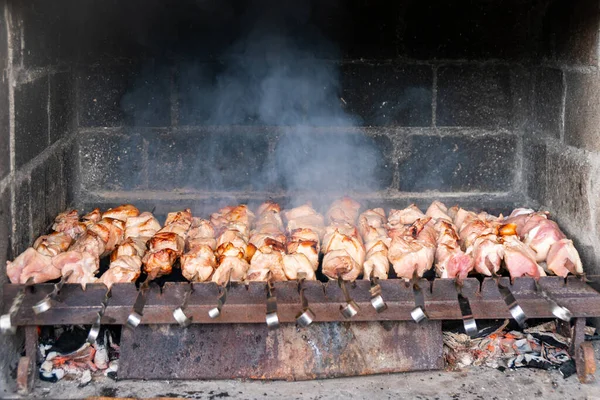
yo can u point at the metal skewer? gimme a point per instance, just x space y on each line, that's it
465 309
135 317
418 313
351 308
6 325
306 317
46 303
178 313
95 329
216 311
558 311
376 299
271 318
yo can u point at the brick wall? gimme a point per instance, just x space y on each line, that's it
37 128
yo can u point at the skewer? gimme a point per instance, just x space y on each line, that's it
515 309
465 309
351 308
135 317
178 313
558 311
46 303
95 329
6 325
418 313
271 318
306 317
376 299
216 311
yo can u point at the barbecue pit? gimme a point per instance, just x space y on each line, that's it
489 105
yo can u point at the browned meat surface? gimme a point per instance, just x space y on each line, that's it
68 222
234 252
342 245
304 229
371 225
53 244
31 264
199 261
167 244
111 231
144 225
270 240
414 242
122 213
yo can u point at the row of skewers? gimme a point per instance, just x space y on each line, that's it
236 244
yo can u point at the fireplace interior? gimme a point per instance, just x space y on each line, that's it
488 104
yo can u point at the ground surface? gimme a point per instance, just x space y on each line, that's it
474 383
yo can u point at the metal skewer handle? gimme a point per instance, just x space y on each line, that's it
271 318
46 303
558 311
376 299
179 315
467 315
306 317
135 317
351 308
418 313
216 311
95 329
6 325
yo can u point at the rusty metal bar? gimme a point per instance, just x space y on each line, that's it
247 303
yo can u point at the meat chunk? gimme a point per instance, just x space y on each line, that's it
31 264
122 213
520 259
371 225
410 257
167 244
111 231
450 260
198 264
269 240
304 218
81 265
344 253
144 225
53 244
344 210
239 217
199 261
68 222
296 263
406 216
125 268
563 258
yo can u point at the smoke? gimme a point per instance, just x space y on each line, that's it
279 73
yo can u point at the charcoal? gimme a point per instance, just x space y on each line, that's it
567 369
530 361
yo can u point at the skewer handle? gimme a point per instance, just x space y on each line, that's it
351 308
135 317
95 329
558 311
271 318
418 313
306 317
179 315
46 303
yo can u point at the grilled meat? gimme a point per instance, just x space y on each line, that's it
413 246
233 252
520 259
31 264
68 222
53 243
371 225
122 212
144 225
304 227
199 261
342 245
269 240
